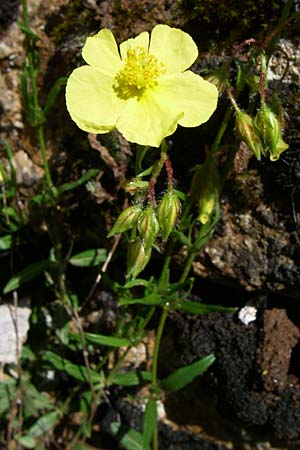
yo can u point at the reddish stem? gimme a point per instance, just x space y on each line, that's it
151 192
169 170
262 87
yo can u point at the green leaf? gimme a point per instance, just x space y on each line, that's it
27 353
131 439
86 399
182 238
164 281
10 157
38 199
151 299
149 422
183 376
10 212
23 27
27 274
132 378
44 424
6 242
27 441
201 308
89 258
24 89
54 91
8 394
109 341
141 151
82 180
135 282
33 401
76 371
181 195
86 428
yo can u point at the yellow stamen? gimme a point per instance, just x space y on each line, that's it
140 71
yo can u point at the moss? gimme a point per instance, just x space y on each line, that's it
77 20
232 20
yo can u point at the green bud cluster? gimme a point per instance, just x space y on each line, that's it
262 134
147 224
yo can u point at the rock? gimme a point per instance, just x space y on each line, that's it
251 377
27 173
280 336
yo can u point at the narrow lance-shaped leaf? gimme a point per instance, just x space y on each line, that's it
24 88
149 422
27 441
76 371
151 299
101 339
10 157
27 274
23 27
89 258
44 424
54 91
183 376
132 378
131 439
82 180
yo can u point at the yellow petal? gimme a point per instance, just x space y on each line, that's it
142 40
175 48
189 94
101 51
91 127
147 121
91 100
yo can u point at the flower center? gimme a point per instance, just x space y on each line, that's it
140 72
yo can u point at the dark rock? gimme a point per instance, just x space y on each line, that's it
251 374
8 12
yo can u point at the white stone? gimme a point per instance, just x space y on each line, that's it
14 325
247 314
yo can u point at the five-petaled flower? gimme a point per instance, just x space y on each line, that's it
144 91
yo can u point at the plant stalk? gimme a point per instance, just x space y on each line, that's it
158 337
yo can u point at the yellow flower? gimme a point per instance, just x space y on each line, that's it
144 91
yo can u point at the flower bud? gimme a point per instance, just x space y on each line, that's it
168 211
268 128
209 191
218 78
245 127
126 220
137 257
148 226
